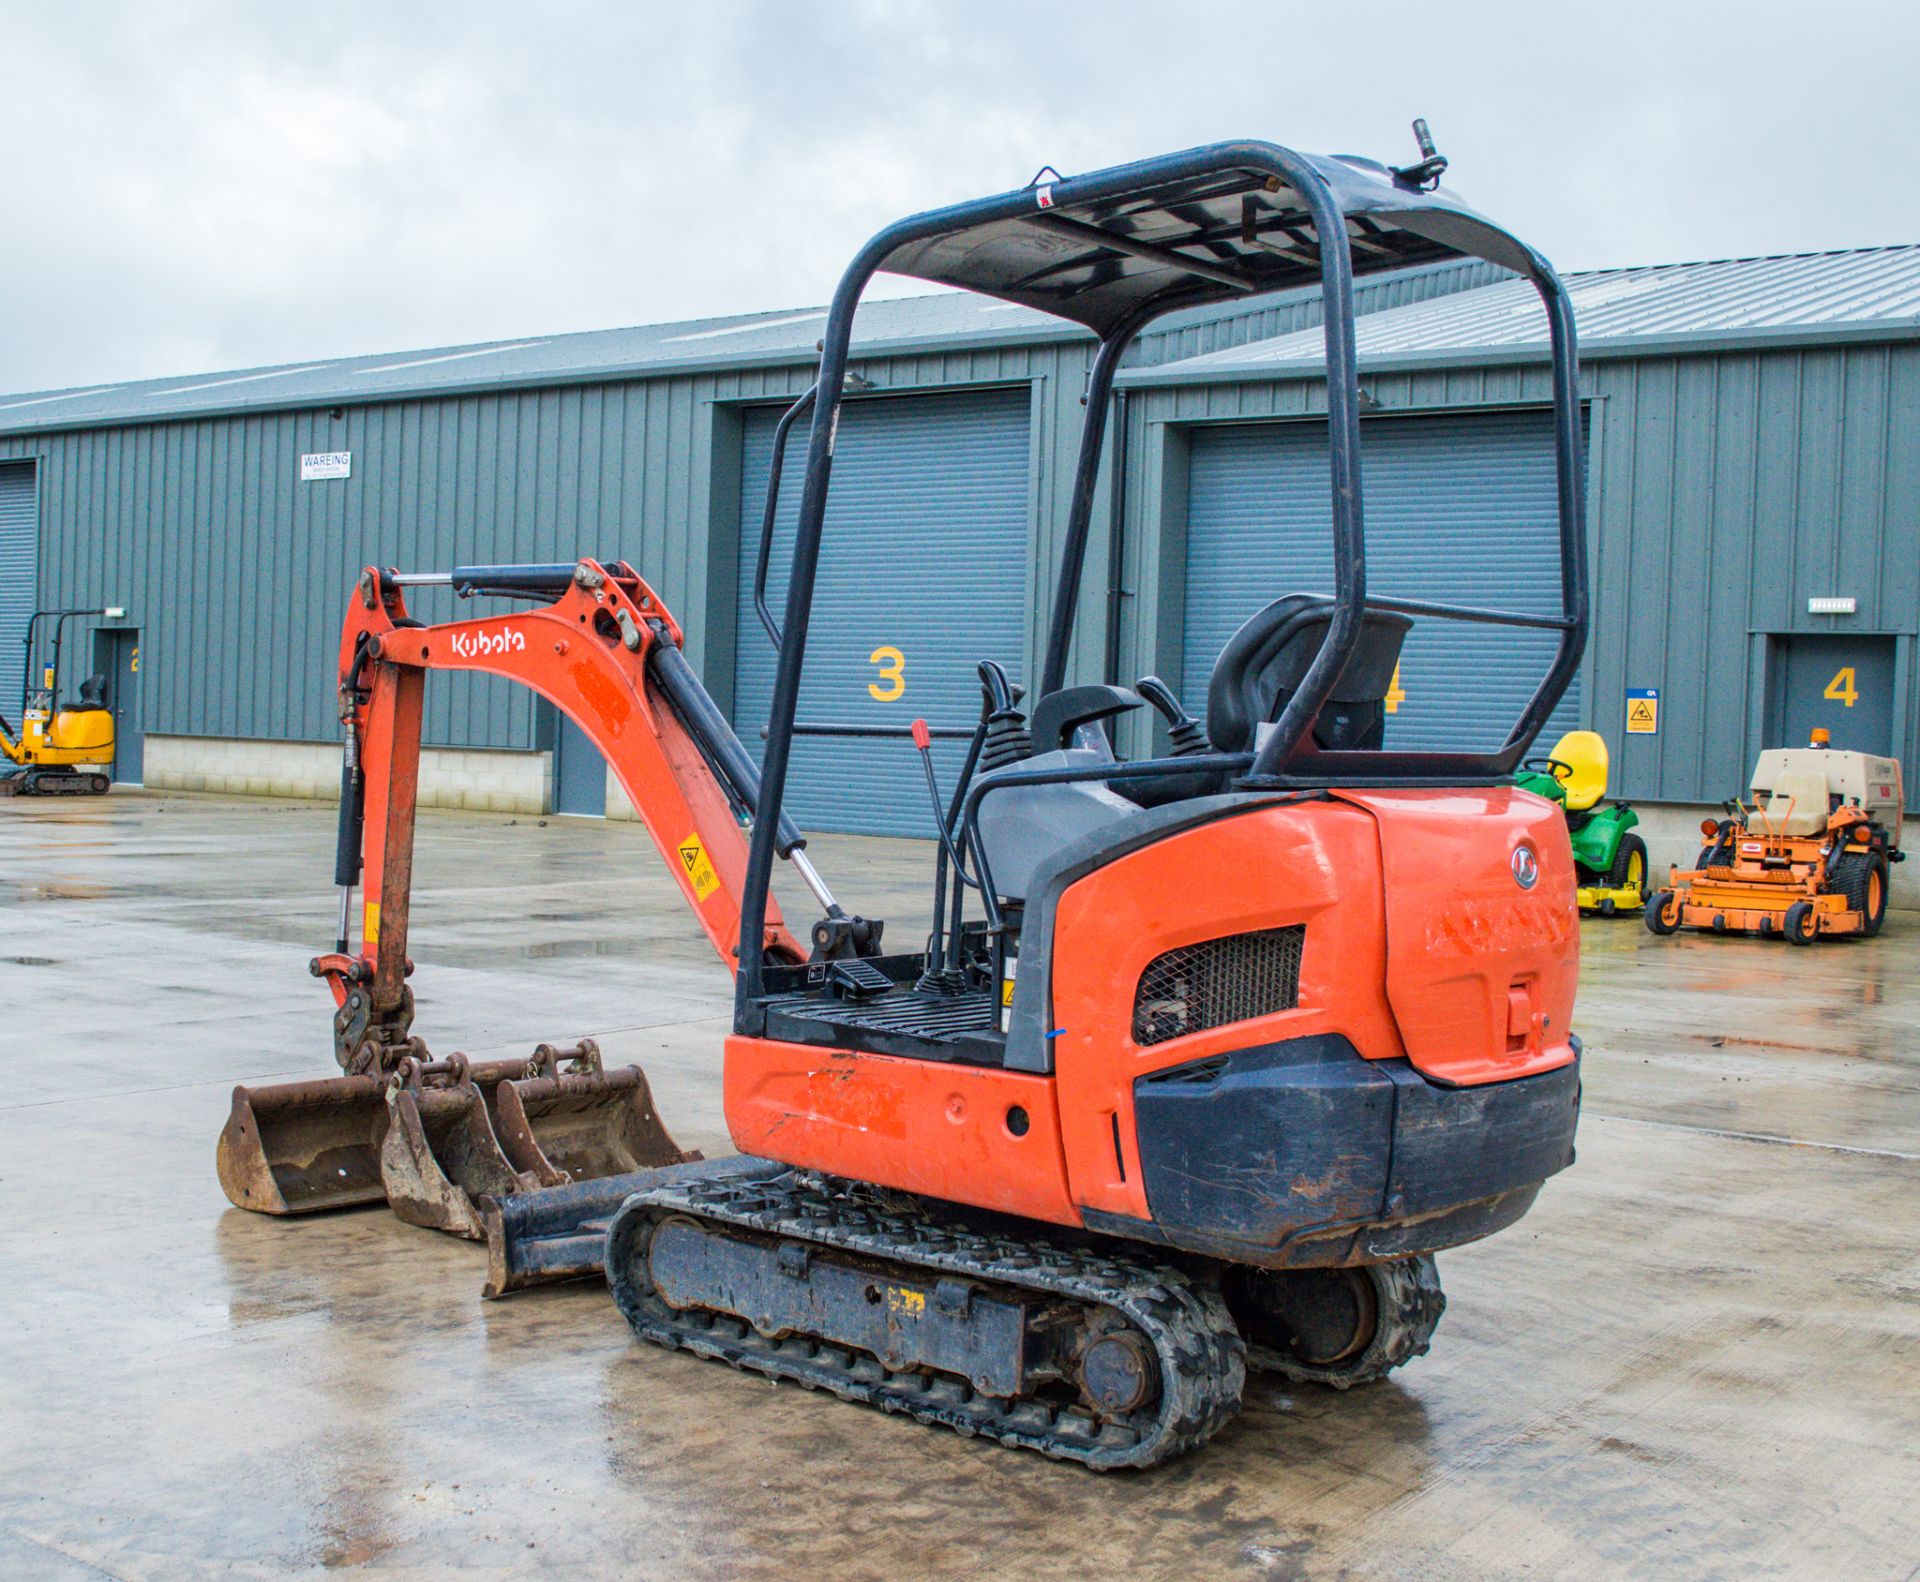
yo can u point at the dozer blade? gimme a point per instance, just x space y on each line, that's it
439 1154
591 1138
299 1147
557 1233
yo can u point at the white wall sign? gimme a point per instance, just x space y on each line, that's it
326 464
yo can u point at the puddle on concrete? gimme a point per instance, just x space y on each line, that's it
551 949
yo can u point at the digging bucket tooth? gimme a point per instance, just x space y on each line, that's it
590 1137
440 1155
301 1147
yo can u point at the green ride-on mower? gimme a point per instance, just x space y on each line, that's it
1610 859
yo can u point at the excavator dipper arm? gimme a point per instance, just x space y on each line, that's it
606 653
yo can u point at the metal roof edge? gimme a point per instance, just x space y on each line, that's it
1686 343
612 373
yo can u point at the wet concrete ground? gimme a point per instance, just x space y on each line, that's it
1698 1357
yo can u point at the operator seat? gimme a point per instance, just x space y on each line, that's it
1263 664
1585 755
1798 806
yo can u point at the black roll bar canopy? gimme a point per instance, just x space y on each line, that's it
1116 249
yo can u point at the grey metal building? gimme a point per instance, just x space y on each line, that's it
198 506
1752 444
1753 464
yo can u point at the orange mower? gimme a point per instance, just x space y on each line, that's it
1809 856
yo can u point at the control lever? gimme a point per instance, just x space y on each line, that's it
1186 736
923 744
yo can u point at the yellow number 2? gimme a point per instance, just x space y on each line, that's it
1841 688
893 671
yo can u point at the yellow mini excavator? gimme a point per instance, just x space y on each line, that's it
62 747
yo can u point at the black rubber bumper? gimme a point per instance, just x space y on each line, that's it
1302 1154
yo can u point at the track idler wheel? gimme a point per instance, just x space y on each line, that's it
1336 1326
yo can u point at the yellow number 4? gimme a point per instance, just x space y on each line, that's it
1841 688
893 671
1396 694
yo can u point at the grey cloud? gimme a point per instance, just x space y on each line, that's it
219 185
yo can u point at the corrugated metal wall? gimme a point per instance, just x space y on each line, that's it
923 573
1460 509
18 542
1725 490
238 573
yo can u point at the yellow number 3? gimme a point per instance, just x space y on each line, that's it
893 671
1841 688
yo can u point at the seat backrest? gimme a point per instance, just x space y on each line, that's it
1585 780
1798 803
1263 664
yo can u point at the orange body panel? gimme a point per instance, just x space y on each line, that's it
1481 971
1316 863
915 1125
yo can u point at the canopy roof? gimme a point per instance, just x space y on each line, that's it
1209 225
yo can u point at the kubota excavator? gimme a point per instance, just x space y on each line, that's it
1242 1034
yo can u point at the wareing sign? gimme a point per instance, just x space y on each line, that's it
321 465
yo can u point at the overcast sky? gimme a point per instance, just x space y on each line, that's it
201 186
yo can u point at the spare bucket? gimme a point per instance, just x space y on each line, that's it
298 1147
570 1119
440 1154
591 1138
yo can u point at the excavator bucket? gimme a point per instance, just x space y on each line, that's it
299 1147
440 1155
573 1120
590 1137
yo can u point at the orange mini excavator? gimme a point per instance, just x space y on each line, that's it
1241 1035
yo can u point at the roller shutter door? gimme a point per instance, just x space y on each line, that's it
922 574
19 535
1458 509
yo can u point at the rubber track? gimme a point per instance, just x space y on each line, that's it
1201 1356
1410 1304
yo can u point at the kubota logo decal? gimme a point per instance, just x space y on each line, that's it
1526 867
477 645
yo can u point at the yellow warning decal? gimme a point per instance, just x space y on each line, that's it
370 929
1006 991
699 866
1643 711
909 1304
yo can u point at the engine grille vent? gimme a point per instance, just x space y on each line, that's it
1216 982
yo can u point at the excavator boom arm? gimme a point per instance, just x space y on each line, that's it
606 653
